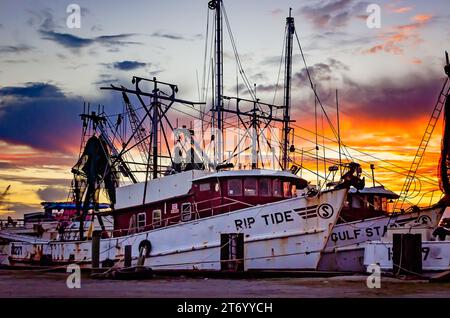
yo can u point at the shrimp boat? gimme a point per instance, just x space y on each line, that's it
191 212
54 223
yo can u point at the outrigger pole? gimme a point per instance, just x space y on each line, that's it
287 89
154 113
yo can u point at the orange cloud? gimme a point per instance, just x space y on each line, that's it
393 142
401 34
422 18
401 9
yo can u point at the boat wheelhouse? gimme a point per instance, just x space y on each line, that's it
195 194
367 203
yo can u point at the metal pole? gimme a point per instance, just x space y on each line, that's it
339 133
372 167
254 134
96 249
317 142
287 88
155 130
219 78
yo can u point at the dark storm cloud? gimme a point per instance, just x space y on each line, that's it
15 49
39 115
175 36
260 88
409 97
48 31
32 90
276 60
42 116
332 13
128 65
170 36
65 39
52 194
107 79
321 72
74 42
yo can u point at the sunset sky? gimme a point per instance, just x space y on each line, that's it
388 78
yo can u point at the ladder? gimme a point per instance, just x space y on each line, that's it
405 192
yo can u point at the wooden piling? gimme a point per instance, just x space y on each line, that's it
128 250
96 249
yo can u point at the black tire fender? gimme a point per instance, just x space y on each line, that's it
148 247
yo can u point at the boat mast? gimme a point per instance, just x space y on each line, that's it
155 130
339 132
287 88
218 103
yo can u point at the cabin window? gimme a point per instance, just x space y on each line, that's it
347 203
156 218
205 187
142 220
276 188
250 187
384 204
357 202
294 190
235 187
186 212
287 189
264 187
368 200
377 203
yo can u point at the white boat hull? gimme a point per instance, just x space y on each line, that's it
345 248
288 234
435 255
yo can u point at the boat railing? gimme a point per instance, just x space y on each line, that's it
220 206
11 223
177 218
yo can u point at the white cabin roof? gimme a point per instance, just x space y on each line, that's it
157 189
249 173
380 190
